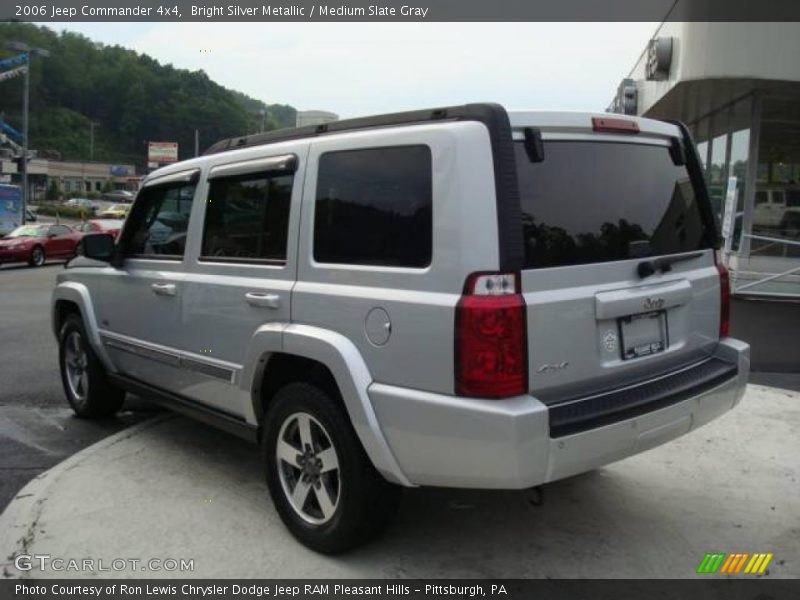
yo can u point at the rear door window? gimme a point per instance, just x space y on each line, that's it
591 202
247 218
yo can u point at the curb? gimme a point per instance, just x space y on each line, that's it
20 518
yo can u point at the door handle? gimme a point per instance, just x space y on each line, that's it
263 299
164 289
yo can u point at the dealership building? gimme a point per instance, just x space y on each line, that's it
737 86
71 175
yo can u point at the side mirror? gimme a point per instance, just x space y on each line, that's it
98 246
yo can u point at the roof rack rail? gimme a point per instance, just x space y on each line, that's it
486 113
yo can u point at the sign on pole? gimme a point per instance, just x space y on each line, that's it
12 73
162 152
729 214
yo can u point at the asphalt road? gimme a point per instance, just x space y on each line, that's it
37 429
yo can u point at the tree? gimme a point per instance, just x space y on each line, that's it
53 191
133 97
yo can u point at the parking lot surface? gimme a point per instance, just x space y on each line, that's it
37 429
173 488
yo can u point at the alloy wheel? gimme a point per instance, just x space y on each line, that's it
76 363
308 468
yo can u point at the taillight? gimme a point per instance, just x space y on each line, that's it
724 299
491 337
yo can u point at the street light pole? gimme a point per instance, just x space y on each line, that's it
27 50
92 125
25 99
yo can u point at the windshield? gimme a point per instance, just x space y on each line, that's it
29 231
590 202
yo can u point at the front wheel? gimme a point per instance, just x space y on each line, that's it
86 386
322 483
37 257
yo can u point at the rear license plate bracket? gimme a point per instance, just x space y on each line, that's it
643 334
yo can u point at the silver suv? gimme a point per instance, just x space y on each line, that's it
458 297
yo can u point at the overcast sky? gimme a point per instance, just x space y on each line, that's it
356 69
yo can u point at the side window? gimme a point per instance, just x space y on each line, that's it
60 230
373 207
247 217
158 222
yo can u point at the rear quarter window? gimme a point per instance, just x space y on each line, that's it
373 207
591 202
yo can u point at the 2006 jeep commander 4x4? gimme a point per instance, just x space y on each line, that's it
458 297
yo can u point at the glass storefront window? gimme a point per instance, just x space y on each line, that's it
717 174
776 212
701 139
737 176
702 151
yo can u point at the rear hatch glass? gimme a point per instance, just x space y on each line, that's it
592 211
587 202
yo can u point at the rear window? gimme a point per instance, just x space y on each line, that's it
591 202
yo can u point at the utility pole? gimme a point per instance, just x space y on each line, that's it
26 92
197 142
92 125
27 50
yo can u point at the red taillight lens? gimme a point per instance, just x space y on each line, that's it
490 338
724 300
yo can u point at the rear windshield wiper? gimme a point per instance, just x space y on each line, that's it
649 267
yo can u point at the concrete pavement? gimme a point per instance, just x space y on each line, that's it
173 488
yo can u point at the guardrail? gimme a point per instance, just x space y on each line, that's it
752 284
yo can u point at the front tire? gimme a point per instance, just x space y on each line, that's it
322 483
86 385
38 257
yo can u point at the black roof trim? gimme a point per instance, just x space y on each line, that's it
471 112
695 169
493 116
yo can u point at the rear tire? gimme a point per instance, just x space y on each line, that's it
83 376
322 483
38 257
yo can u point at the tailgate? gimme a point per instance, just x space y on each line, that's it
590 330
619 277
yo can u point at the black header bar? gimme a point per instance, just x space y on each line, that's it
399 10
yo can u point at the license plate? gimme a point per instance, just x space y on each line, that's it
644 334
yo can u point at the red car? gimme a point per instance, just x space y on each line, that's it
34 244
111 226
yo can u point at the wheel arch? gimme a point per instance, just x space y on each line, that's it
302 352
74 298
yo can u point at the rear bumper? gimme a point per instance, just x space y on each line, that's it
456 442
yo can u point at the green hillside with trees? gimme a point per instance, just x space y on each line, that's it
131 97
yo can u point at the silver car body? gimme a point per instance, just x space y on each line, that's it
205 331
